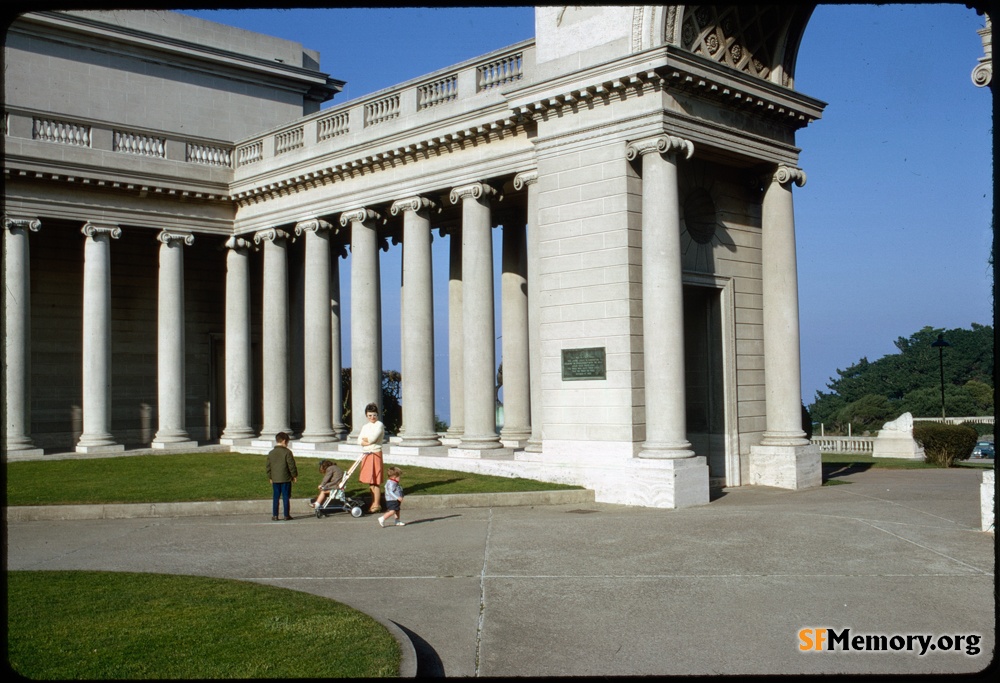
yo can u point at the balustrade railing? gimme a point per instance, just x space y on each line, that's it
444 90
137 143
207 154
464 81
288 140
845 444
333 125
63 132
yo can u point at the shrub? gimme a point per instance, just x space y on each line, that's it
981 428
943 443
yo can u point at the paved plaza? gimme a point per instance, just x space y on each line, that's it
600 589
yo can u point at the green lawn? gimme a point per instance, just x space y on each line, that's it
845 460
212 476
64 625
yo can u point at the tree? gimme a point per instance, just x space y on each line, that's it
909 379
392 410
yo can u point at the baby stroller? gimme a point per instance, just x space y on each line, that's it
339 500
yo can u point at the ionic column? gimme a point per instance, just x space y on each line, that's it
275 332
514 331
529 179
318 375
456 355
17 329
662 298
366 315
239 366
336 362
96 435
170 343
479 335
417 332
782 373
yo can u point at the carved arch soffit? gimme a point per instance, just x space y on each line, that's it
759 40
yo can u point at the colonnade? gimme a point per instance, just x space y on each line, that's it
471 318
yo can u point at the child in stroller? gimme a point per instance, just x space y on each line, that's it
331 491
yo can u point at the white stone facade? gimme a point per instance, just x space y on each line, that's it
643 178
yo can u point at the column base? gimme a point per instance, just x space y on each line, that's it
786 467
493 453
230 440
671 483
22 445
403 449
665 450
533 446
313 446
419 441
106 448
173 445
324 438
23 452
480 443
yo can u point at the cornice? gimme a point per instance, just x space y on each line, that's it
43 23
674 70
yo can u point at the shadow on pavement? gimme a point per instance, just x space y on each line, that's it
428 663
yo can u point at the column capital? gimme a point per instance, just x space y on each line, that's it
412 204
235 242
786 174
359 215
16 222
473 191
166 237
312 225
270 235
525 178
661 144
95 229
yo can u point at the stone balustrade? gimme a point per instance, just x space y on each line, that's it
460 83
845 444
979 420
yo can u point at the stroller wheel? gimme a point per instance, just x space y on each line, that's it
356 512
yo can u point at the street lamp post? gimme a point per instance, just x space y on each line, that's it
940 344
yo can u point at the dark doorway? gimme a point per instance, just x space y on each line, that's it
704 377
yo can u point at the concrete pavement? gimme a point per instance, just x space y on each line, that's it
583 588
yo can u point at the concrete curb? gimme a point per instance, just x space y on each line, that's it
299 506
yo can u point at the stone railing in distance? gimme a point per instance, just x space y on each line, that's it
978 420
845 444
478 77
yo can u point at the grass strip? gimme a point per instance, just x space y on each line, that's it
69 625
854 460
190 477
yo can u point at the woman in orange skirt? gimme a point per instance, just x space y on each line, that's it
370 439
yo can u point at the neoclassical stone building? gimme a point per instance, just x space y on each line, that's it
177 206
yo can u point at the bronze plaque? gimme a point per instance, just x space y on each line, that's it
578 364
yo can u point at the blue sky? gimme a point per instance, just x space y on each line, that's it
894 223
